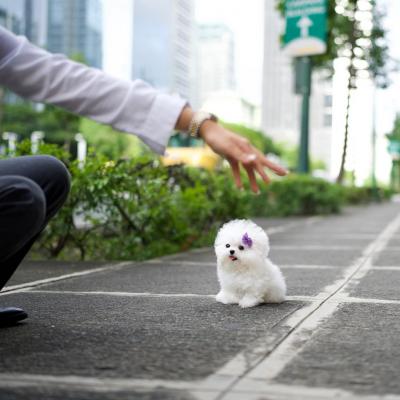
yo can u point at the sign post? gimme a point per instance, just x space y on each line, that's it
305 36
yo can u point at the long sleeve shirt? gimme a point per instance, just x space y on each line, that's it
130 106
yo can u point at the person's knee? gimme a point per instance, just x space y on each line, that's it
59 174
28 203
22 213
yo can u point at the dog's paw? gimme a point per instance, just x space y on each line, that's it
247 302
225 298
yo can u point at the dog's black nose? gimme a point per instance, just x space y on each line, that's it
232 251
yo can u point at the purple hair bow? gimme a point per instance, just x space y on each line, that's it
246 240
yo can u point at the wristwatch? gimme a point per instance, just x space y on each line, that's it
198 118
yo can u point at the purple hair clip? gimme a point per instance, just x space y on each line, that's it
247 240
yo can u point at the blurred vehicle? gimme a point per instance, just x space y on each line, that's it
183 149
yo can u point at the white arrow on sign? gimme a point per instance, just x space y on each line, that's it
304 24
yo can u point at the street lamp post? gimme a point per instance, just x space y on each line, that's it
304 71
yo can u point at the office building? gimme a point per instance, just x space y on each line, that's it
25 17
75 29
215 60
162 44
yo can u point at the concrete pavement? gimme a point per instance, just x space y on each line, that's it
152 330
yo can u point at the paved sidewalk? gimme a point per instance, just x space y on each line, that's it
153 330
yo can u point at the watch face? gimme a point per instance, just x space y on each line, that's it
214 118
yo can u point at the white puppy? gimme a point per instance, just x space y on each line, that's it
246 276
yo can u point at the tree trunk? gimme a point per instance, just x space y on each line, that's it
351 84
340 177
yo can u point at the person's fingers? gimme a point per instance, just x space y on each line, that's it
260 169
248 160
236 172
252 178
241 152
274 167
245 145
252 154
255 153
245 158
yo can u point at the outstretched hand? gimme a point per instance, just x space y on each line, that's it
238 151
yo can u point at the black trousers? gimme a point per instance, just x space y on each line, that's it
32 190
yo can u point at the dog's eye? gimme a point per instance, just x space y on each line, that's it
241 248
228 245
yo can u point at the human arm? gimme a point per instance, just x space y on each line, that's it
130 106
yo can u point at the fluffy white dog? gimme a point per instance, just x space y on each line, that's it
246 276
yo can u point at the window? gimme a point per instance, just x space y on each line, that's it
328 100
327 120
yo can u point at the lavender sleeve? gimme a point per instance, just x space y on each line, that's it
130 106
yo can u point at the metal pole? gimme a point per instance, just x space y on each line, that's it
305 70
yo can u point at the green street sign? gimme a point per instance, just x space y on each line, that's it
306 22
394 148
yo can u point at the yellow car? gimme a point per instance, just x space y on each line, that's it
190 152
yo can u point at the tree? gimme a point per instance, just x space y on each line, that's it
111 143
365 48
355 32
23 118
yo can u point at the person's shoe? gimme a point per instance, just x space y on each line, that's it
11 315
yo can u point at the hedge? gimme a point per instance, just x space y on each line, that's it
139 209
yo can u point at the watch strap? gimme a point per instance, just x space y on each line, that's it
198 118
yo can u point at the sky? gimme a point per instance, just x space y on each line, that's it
117 42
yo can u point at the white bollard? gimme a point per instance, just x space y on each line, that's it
36 138
11 137
82 149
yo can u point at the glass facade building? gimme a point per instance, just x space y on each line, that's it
72 27
75 29
215 60
162 44
25 17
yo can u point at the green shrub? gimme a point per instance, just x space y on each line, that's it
356 195
297 195
138 209
362 195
